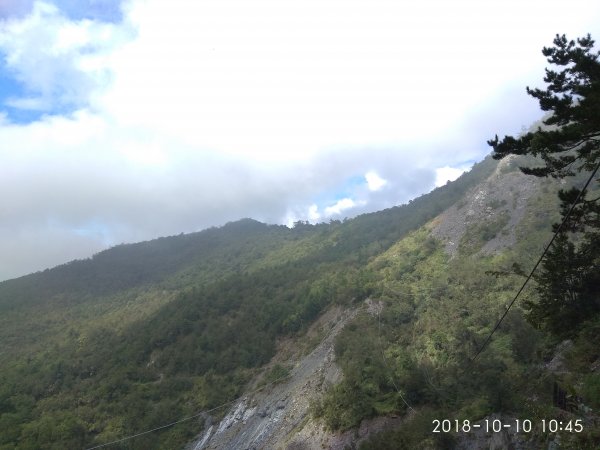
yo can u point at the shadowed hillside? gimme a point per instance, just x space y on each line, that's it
143 333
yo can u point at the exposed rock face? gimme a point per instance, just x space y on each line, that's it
278 417
275 416
314 437
501 199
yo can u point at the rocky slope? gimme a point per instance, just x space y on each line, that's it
277 417
273 417
498 204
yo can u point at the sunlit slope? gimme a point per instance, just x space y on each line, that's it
440 292
144 333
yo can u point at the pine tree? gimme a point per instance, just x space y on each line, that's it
568 286
571 140
568 145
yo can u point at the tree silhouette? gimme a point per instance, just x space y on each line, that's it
568 145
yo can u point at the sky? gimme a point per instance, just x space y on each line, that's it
126 120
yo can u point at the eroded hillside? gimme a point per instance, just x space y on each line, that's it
143 334
401 358
487 217
366 324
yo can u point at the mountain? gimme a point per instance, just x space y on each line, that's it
310 335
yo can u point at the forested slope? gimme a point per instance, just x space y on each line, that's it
438 304
407 358
143 334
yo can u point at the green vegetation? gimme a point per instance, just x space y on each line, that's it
144 334
416 436
569 280
426 348
479 233
276 374
435 314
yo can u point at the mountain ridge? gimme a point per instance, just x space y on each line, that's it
143 334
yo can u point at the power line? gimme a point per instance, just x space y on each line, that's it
185 419
558 230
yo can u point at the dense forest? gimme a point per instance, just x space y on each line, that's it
142 334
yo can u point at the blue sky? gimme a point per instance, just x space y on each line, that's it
10 88
100 10
125 121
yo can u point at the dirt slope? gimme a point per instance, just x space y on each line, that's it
278 417
272 417
499 204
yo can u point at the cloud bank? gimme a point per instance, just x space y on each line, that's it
127 121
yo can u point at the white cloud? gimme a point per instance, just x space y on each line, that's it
29 103
313 213
341 205
61 62
244 77
374 181
190 114
445 174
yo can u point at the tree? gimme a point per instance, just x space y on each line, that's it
571 142
568 145
568 286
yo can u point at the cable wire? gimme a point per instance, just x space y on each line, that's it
185 419
558 230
